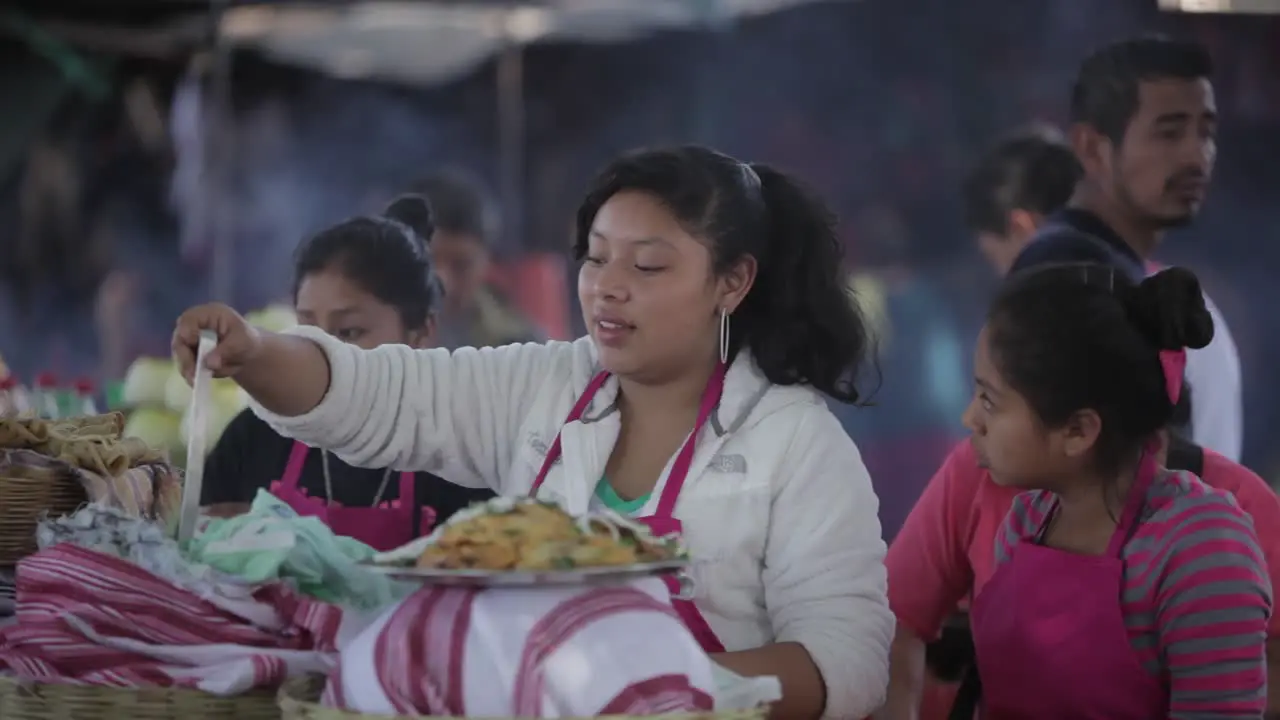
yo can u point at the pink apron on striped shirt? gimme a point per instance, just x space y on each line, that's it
1050 635
1049 630
663 521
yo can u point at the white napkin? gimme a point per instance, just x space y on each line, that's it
197 438
531 652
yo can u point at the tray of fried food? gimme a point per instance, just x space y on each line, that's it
529 542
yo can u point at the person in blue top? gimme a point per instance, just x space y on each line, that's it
1141 151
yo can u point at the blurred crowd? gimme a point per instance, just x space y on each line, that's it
120 203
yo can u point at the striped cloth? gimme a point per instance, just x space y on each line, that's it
88 617
1196 594
526 652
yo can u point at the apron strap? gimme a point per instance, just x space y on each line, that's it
680 468
408 499
579 407
408 495
1134 503
293 469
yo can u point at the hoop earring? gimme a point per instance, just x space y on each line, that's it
724 336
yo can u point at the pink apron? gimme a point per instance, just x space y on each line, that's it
1050 635
382 528
663 521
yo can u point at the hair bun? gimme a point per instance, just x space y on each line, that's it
1169 309
413 211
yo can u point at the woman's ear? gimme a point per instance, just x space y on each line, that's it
1080 433
735 284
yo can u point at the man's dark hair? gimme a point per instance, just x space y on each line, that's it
1105 94
459 204
1033 171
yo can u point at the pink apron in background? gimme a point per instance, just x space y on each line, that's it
382 528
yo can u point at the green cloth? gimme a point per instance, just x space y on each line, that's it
271 542
615 502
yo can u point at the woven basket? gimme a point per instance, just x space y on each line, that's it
298 702
31 485
21 700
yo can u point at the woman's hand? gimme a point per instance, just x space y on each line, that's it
285 374
239 343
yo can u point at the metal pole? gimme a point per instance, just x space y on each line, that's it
511 147
219 143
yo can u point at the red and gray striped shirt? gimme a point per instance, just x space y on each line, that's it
1196 598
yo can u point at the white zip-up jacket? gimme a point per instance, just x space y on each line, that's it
778 510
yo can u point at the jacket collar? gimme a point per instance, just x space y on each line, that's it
745 386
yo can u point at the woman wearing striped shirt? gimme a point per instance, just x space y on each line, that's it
1123 590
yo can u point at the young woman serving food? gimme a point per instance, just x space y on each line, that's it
717 316
367 281
1122 590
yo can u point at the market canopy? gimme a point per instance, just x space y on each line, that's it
435 42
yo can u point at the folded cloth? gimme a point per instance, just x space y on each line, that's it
97 619
148 490
227 560
272 542
526 652
148 545
151 490
95 443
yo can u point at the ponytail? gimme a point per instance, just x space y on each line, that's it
799 319
1168 309
1083 336
387 256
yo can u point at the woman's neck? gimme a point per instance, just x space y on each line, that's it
1095 498
670 401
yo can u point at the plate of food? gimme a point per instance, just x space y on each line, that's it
523 541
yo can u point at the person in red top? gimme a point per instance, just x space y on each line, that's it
945 554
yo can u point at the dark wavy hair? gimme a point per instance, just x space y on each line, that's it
1030 171
1083 336
800 321
387 256
1106 93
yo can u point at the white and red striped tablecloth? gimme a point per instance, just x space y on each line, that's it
84 616
527 652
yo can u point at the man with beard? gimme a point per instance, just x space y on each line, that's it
1144 123
1143 132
